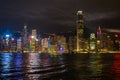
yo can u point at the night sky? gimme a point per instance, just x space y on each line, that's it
58 15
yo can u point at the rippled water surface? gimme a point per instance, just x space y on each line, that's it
43 66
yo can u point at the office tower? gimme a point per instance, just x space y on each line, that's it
7 42
1 43
110 43
99 39
25 41
80 31
92 42
33 39
25 36
104 41
44 44
62 45
72 44
19 45
99 32
116 40
34 33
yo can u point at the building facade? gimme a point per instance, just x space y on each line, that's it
80 31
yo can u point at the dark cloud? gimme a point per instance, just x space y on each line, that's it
53 15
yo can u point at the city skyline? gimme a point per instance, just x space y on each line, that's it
99 41
59 40
54 16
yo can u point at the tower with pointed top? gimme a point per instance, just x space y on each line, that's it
99 39
99 32
25 34
25 39
80 31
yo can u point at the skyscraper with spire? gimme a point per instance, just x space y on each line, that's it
99 32
99 39
25 39
80 31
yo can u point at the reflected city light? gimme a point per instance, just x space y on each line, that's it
115 68
6 61
44 65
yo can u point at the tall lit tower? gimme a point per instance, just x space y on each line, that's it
99 39
25 37
92 42
99 33
34 33
80 30
33 38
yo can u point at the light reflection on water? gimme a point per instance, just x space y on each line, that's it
30 66
43 66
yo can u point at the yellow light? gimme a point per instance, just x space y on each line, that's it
79 12
98 42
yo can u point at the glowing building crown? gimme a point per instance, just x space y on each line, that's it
79 12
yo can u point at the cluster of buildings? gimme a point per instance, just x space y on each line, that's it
96 42
26 42
53 43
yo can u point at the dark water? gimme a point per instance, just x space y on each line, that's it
36 66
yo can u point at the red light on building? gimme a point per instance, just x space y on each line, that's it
116 35
99 30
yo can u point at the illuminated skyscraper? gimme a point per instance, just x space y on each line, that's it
99 33
92 42
25 35
25 39
34 33
33 39
99 39
80 31
19 44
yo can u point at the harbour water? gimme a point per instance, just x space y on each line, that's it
43 66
